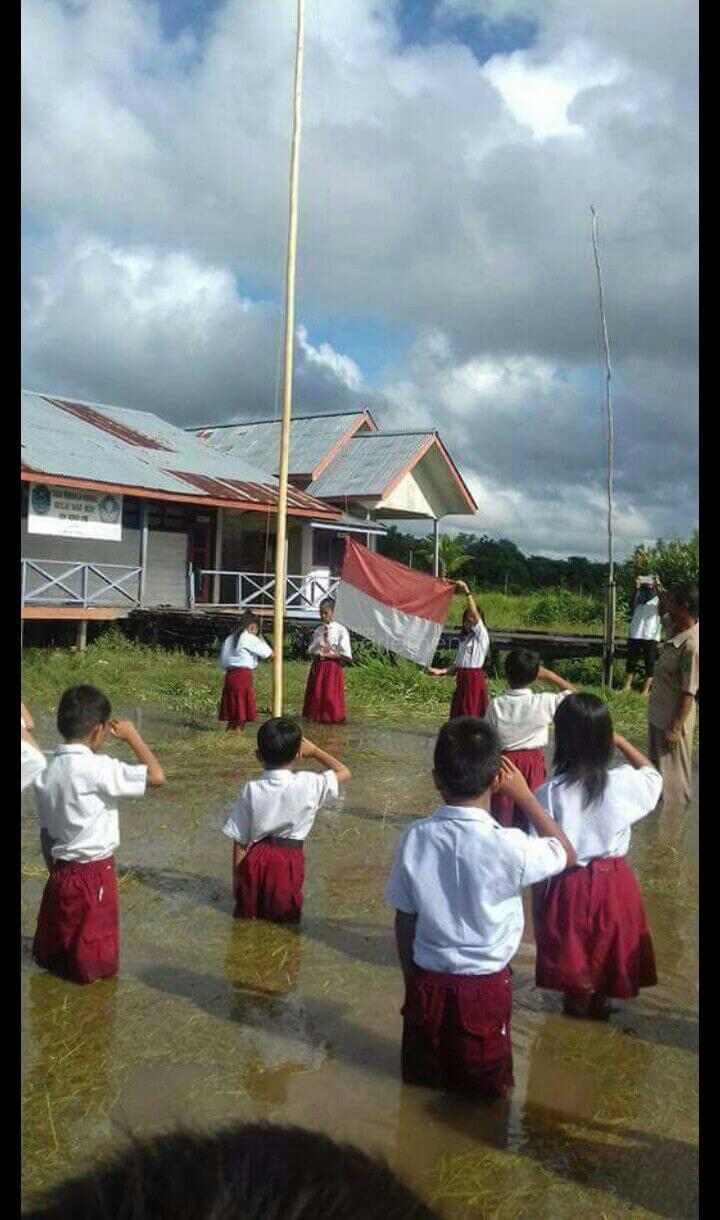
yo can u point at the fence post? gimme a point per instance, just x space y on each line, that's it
143 550
191 586
84 586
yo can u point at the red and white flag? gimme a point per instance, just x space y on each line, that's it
390 604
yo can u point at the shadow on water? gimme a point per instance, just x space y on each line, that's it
194 887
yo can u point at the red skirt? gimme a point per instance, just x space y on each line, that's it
456 1032
237 703
325 692
269 882
592 933
78 934
470 697
531 765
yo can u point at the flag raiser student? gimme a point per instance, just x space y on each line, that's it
77 932
272 817
591 930
239 656
325 690
470 696
457 886
521 718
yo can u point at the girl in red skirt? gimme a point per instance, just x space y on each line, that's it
521 718
325 690
593 940
470 697
239 656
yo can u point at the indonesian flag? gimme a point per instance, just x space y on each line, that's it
390 604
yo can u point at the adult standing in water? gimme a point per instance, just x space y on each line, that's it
671 709
329 648
470 697
644 632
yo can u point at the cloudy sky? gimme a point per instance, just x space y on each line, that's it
450 152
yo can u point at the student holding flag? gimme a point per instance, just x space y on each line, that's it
470 697
325 690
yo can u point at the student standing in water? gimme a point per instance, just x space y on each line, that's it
593 940
325 691
239 656
470 697
521 718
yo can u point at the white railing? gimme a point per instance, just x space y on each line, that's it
256 591
55 582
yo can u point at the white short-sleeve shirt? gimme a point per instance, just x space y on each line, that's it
521 718
251 649
602 830
337 638
462 875
646 623
76 799
280 802
472 648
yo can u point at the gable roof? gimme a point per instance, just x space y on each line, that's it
136 451
314 439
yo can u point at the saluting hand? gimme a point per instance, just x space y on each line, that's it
511 782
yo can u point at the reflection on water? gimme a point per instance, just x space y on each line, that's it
215 1019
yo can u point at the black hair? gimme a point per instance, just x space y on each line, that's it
247 619
278 741
521 666
467 757
252 1171
584 743
687 595
81 709
327 601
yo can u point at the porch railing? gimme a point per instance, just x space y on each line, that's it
256 591
56 582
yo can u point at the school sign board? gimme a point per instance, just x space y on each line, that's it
68 512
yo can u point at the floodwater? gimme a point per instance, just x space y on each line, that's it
214 1020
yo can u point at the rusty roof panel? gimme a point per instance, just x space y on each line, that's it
90 416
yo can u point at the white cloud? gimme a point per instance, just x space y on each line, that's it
540 94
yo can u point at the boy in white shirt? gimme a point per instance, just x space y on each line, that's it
77 933
457 885
271 819
521 718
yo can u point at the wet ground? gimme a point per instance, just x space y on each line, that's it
214 1020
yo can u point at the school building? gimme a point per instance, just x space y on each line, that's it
122 510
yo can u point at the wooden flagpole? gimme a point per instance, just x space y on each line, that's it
609 644
281 535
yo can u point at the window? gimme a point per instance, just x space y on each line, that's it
328 550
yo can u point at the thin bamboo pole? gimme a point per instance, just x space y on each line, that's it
609 645
280 548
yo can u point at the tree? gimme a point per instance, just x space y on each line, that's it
452 556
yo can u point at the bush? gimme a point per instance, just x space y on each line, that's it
562 605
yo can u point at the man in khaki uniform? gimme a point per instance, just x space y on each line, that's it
671 709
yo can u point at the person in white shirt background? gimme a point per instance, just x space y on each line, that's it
456 885
592 935
32 759
77 934
239 656
644 632
272 817
329 648
521 718
470 697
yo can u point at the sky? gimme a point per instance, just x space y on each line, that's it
450 152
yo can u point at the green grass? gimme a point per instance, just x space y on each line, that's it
394 690
555 610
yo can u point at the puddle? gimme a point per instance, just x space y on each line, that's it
213 1020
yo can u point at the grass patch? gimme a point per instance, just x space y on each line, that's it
555 610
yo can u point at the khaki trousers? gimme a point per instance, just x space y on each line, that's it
675 765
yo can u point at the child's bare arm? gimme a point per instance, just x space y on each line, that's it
404 939
29 722
438 673
635 757
125 731
549 675
513 784
475 615
239 853
308 749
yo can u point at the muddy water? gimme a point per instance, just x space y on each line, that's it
212 1020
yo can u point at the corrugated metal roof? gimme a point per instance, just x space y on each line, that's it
137 449
311 438
367 463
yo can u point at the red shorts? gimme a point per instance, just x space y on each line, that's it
77 934
237 702
325 692
592 933
531 765
269 882
470 697
456 1032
